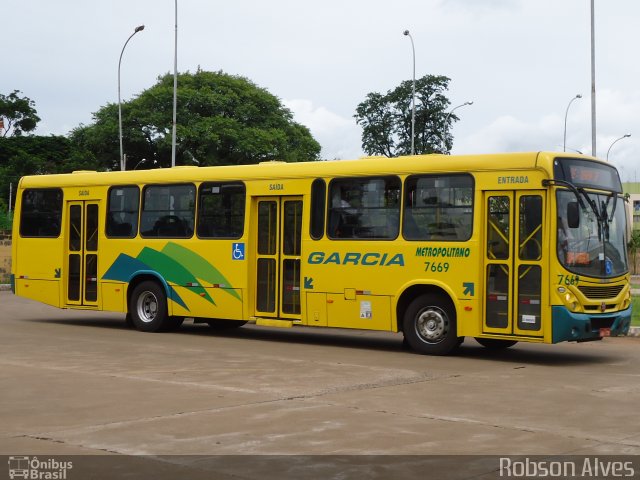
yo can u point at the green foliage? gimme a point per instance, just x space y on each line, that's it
6 220
18 114
221 120
634 248
34 155
635 311
386 119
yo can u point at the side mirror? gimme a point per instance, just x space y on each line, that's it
573 215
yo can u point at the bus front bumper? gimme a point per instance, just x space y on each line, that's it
581 327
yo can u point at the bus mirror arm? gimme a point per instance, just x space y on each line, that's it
569 185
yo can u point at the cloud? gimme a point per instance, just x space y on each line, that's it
616 115
482 6
339 136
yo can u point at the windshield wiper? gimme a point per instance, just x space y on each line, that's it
592 204
613 209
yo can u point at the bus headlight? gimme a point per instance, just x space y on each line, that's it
571 302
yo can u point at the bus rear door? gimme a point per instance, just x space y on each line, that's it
277 257
82 253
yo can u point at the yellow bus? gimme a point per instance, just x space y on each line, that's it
505 248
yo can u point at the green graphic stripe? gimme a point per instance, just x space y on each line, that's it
172 270
198 266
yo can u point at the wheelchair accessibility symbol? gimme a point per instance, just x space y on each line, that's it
238 251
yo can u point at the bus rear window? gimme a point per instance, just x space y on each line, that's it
41 212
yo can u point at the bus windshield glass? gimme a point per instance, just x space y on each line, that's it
591 233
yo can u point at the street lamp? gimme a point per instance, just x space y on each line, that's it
144 160
615 141
413 95
446 121
122 160
564 144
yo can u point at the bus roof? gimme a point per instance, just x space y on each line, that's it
334 168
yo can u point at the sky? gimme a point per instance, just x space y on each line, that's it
520 62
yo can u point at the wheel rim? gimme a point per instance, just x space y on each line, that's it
147 307
432 325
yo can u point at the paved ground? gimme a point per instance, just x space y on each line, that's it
77 382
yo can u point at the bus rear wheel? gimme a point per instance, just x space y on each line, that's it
148 309
495 344
430 326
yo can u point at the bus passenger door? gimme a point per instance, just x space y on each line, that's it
82 253
278 251
513 263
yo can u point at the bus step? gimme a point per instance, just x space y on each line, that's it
272 322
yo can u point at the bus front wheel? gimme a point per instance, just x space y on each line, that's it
430 327
148 308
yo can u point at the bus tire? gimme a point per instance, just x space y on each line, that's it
430 326
495 344
148 308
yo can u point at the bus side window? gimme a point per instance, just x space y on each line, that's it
438 207
364 208
221 209
168 211
122 212
318 207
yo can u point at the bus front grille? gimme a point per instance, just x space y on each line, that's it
600 292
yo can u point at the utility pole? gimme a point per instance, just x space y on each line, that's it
175 89
593 81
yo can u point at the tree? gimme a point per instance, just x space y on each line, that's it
38 155
221 119
17 114
386 119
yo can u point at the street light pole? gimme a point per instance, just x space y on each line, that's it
593 81
564 144
175 90
122 160
615 141
413 96
446 122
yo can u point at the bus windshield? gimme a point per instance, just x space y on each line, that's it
591 233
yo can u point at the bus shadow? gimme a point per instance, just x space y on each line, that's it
521 354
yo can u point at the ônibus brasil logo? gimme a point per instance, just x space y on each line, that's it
37 469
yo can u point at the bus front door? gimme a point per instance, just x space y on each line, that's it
513 260
82 253
277 257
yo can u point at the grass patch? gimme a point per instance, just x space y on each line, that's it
635 311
